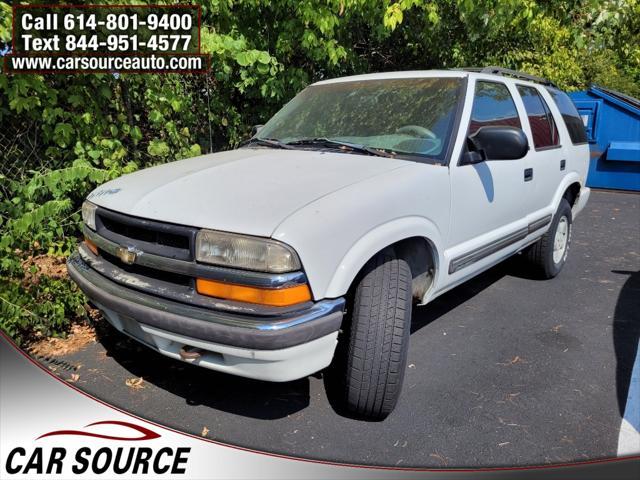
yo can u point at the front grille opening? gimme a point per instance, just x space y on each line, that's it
146 235
153 273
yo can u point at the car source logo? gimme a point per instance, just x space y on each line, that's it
95 460
127 255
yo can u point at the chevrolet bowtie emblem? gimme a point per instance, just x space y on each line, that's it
127 255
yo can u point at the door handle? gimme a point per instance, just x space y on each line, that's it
528 174
563 164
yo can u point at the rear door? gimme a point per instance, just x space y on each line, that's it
573 135
548 156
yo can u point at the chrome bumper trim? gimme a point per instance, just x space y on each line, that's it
83 274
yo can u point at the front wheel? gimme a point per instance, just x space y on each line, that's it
376 339
549 254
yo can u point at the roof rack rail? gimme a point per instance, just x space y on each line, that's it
509 73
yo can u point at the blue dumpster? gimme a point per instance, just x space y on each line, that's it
612 121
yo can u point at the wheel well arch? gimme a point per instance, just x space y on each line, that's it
571 193
421 256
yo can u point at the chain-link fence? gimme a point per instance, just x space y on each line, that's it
20 152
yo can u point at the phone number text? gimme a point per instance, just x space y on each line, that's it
112 21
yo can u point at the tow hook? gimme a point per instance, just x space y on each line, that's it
190 353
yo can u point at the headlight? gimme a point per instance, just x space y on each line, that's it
249 253
89 214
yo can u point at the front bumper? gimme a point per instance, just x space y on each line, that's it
276 348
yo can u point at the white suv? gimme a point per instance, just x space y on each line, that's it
308 245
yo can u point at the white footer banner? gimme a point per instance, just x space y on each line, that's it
51 429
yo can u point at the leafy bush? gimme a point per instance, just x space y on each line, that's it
62 135
41 215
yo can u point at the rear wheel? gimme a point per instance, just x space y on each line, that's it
549 254
376 340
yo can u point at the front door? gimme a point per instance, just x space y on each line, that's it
490 200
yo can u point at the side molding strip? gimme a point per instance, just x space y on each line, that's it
538 224
482 252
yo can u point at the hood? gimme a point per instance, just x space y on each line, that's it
249 190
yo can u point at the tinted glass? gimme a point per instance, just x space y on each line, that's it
570 116
493 105
407 116
543 128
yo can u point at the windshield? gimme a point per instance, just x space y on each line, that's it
412 116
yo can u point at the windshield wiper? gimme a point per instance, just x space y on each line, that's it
352 147
266 142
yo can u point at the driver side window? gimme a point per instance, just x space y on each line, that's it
493 106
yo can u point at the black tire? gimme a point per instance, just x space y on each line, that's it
540 255
376 338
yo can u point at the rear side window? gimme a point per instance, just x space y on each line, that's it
543 127
570 116
493 105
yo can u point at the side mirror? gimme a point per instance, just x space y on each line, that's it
496 143
255 129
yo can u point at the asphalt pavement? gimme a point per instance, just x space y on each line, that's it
503 370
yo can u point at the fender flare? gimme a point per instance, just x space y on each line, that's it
376 240
569 179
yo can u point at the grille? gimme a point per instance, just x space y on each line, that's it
147 272
163 239
146 235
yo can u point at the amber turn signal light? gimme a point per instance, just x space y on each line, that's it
91 246
281 297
